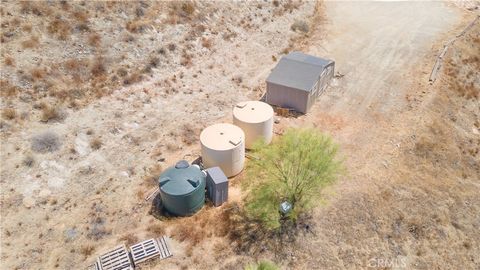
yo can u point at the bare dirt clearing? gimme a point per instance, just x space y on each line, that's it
87 197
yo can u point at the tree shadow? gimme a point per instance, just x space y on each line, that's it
251 238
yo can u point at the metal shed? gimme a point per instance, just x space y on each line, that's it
297 81
217 186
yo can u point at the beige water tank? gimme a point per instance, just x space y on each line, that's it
255 118
223 145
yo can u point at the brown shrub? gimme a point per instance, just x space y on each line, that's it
87 250
7 89
185 232
133 78
9 61
27 28
129 239
186 59
38 73
151 177
300 25
207 43
136 26
156 230
94 40
80 16
189 134
98 67
188 8
59 28
9 113
31 43
50 113
96 144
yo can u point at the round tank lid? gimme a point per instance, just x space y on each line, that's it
222 136
178 186
182 164
253 111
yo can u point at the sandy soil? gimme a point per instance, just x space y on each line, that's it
79 197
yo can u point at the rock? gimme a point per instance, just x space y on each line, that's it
29 202
44 193
82 147
277 121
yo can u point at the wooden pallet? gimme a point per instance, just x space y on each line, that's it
144 250
150 249
116 259
164 250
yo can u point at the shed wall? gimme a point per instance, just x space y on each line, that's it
287 97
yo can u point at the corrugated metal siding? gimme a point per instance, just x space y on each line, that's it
287 97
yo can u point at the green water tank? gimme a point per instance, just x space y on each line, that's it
182 189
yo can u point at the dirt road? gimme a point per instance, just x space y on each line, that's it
385 50
377 45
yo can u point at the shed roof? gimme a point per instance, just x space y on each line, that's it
298 70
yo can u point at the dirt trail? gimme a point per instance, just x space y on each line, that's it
386 51
376 45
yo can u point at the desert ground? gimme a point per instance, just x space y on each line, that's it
123 90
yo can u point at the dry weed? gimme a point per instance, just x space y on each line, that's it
9 113
31 43
128 239
51 113
46 142
96 144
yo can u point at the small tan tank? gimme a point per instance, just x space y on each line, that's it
223 145
255 118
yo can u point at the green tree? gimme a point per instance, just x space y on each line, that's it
294 168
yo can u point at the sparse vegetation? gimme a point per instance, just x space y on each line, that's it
300 25
87 250
51 113
129 239
46 142
9 113
31 43
96 143
28 161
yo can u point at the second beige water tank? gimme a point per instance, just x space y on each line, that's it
255 118
223 145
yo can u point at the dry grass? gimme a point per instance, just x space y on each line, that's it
98 67
9 113
189 134
38 73
46 142
150 179
300 25
9 61
128 239
31 43
59 28
207 42
7 89
87 251
94 40
156 230
51 113
28 161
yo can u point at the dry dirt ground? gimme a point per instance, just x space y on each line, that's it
411 149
